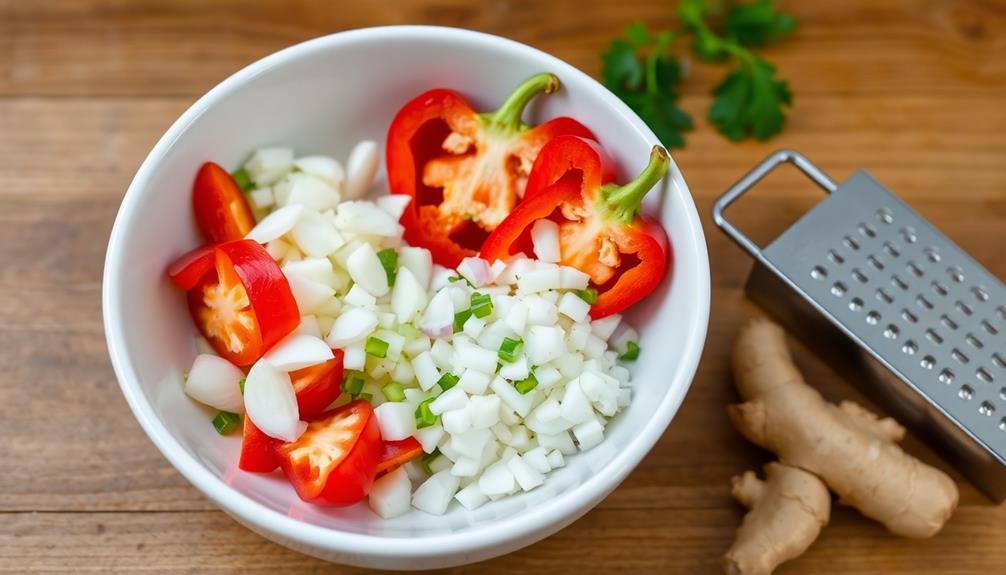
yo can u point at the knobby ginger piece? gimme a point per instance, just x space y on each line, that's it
848 447
787 511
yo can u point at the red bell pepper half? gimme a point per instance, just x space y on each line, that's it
465 171
601 231
221 211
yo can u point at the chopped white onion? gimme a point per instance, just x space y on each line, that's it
268 165
545 238
297 352
394 204
543 343
397 420
315 235
420 263
438 319
361 167
435 494
309 294
408 296
475 270
215 381
365 218
323 167
391 494
312 192
270 402
352 326
276 224
366 270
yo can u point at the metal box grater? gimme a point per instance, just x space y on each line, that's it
895 307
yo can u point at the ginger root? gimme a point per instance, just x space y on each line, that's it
787 511
848 447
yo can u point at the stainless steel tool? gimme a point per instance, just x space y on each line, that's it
895 307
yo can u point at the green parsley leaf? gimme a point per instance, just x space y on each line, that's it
750 101
757 24
243 180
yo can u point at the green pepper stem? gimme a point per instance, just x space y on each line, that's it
623 202
507 117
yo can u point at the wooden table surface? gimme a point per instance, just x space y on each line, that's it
912 90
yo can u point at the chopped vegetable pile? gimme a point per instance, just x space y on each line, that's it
461 334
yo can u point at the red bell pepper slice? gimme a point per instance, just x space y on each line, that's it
318 386
397 453
601 231
335 461
244 305
258 450
191 267
465 171
221 211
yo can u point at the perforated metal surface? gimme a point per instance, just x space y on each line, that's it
912 298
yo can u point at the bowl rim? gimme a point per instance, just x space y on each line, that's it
536 522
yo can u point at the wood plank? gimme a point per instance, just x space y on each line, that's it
99 47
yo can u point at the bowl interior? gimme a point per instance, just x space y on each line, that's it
322 98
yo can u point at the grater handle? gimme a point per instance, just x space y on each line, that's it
749 180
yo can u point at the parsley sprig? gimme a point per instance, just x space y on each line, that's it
645 71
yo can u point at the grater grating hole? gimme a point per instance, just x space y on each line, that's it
959 356
891 331
963 308
908 234
838 289
989 328
867 230
932 254
885 216
835 257
860 276
916 269
884 296
909 348
998 360
946 376
939 288
974 341
891 250
873 318
850 243
934 337
875 263
986 408
818 273
923 301
909 316
928 362
945 319
966 392
984 375
899 283
955 274
980 293
855 304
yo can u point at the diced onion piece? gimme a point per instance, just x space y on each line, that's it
622 336
560 441
214 381
465 467
572 278
474 357
275 224
538 280
555 459
315 269
435 494
474 381
309 326
540 311
352 326
394 204
426 371
310 295
429 437
361 167
261 198
515 268
365 218
497 479
354 357
543 343
496 269
397 420
569 365
515 370
324 167
456 420
408 296
475 270
391 494
547 376
545 238
575 406
366 270
297 352
312 192
573 307
527 477
537 459
588 434
470 443
438 319
471 497
359 297
315 235
520 403
267 165
606 326
420 263
516 317
270 402
595 346
484 411
453 398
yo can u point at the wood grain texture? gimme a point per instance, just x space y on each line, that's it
912 90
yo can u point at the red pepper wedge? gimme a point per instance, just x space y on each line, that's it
397 453
221 211
601 231
465 171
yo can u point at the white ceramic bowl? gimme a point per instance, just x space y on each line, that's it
323 96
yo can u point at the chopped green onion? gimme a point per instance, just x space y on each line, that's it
241 385
425 417
523 386
225 422
482 304
508 349
458 278
353 385
243 180
588 295
631 352
389 261
409 331
460 318
376 347
447 381
480 298
428 459
393 392
369 397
